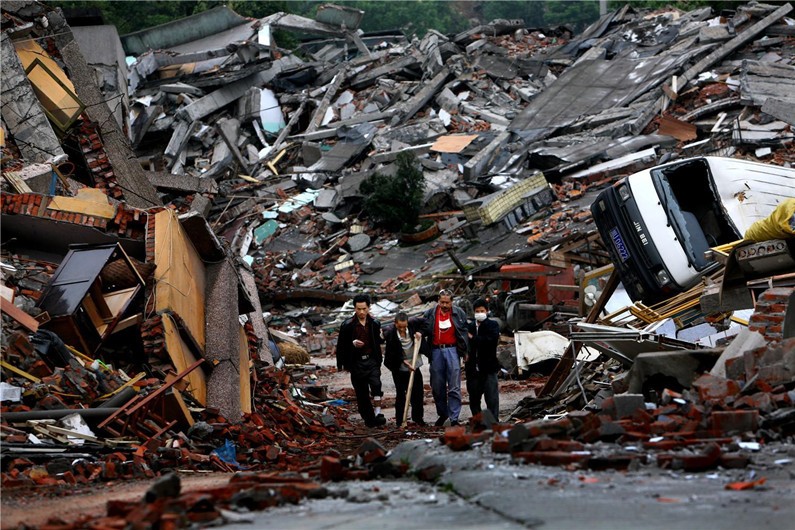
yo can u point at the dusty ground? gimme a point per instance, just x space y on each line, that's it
339 383
35 508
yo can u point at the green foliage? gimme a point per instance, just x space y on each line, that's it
575 14
531 12
683 5
413 17
143 14
395 201
133 16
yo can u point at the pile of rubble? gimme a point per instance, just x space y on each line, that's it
121 256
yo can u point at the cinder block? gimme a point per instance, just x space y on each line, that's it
627 404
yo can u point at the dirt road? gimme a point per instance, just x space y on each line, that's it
511 392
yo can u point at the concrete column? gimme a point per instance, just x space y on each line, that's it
222 340
260 328
132 179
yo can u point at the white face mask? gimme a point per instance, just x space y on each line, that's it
480 317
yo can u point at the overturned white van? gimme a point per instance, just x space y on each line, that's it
658 223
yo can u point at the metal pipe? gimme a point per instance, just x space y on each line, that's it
95 415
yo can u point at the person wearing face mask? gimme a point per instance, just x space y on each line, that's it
482 365
446 330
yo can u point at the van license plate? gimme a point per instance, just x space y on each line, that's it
619 244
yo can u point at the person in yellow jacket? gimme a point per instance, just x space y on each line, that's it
778 225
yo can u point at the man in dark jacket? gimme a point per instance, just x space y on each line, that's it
359 352
482 365
446 329
400 342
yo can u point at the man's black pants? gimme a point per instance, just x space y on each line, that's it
366 381
401 380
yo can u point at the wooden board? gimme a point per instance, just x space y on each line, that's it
176 409
17 182
24 319
89 201
245 374
179 276
118 300
182 357
453 143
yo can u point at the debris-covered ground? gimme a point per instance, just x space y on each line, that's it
182 234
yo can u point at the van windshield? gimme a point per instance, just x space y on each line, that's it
694 212
685 225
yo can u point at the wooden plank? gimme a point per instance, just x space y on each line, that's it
454 143
484 259
17 182
179 276
89 201
23 373
7 293
73 434
177 410
24 319
127 323
117 300
129 383
245 373
183 357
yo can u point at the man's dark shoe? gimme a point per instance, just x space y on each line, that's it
420 423
454 423
440 421
379 420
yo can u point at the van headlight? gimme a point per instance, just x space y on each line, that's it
663 278
623 192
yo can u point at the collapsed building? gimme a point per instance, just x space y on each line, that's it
150 223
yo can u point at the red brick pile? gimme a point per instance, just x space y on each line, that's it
281 434
128 222
695 431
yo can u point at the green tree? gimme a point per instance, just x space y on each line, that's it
133 16
531 12
576 14
413 17
395 201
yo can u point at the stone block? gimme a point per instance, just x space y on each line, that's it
627 404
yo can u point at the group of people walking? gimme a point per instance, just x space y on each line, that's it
443 336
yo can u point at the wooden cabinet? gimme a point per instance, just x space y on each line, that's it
89 295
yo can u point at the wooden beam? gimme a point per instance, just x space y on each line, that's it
24 319
23 373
